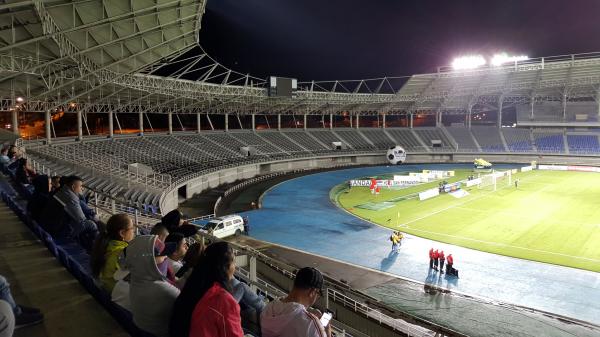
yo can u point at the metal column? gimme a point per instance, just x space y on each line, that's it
357 120
15 122
226 122
170 122
48 131
500 104
278 122
111 128
304 122
141 123
79 125
330 121
198 118
383 117
411 121
253 122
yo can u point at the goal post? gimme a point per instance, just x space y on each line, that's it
496 179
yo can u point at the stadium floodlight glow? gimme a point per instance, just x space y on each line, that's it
502 58
468 62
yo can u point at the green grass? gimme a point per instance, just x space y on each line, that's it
552 217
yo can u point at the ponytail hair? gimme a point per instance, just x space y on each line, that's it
111 231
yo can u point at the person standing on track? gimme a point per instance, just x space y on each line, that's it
442 259
431 258
449 265
436 256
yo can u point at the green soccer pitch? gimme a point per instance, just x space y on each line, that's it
551 217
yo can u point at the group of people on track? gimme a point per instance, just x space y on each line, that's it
438 259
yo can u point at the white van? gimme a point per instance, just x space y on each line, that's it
225 226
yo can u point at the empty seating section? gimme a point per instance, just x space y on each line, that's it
260 144
220 145
489 138
517 140
355 139
308 142
583 143
281 141
549 142
327 137
379 138
405 138
463 138
429 134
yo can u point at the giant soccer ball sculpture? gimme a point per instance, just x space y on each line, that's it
396 155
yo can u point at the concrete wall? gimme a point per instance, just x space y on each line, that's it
169 200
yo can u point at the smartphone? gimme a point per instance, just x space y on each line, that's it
327 316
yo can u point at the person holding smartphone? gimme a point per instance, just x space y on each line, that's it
292 316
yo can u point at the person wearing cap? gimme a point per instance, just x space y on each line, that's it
151 294
206 306
289 316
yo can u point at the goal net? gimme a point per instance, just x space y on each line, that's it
495 180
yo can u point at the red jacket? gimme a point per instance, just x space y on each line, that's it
436 254
217 314
441 256
431 256
450 259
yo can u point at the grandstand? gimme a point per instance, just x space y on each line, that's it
139 64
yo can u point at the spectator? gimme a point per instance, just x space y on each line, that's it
109 245
436 258
4 160
246 225
24 173
206 306
12 152
40 197
7 319
160 230
175 223
55 184
89 212
176 259
23 316
152 295
63 215
442 261
190 260
290 316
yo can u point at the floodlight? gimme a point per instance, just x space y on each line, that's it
20 99
468 62
502 58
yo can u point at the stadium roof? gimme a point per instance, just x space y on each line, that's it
144 56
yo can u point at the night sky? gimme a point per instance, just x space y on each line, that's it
353 39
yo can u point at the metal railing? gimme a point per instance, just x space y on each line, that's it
397 324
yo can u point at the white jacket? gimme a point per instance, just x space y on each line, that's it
289 319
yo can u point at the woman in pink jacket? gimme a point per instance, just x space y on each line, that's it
205 306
